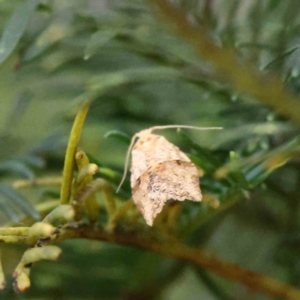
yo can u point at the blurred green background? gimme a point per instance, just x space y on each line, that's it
145 75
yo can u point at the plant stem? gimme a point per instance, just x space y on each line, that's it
150 241
65 193
90 204
14 231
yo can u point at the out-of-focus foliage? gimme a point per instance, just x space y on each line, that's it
140 75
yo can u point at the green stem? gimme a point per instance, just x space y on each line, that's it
65 193
14 231
85 177
13 239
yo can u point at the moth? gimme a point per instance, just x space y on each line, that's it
160 171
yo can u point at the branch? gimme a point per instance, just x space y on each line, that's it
267 89
152 241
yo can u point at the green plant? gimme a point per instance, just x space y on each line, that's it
138 72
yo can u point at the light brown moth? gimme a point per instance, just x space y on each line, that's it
160 172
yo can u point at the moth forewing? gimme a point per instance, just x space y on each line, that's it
150 150
177 180
160 171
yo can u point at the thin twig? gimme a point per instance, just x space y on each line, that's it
153 242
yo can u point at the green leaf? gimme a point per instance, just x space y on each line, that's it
114 177
15 28
52 142
18 109
207 160
48 37
212 284
121 136
278 157
19 200
273 4
209 163
144 276
44 8
238 176
280 57
102 83
33 161
98 40
257 175
17 167
10 212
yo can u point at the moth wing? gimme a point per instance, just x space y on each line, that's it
148 205
150 150
158 149
138 165
177 180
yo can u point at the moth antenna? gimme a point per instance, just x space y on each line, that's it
185 126
127 161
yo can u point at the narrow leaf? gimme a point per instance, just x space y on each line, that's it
121 136
9 211
208 159
19 200
100 84
17 167
98 40
15 28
